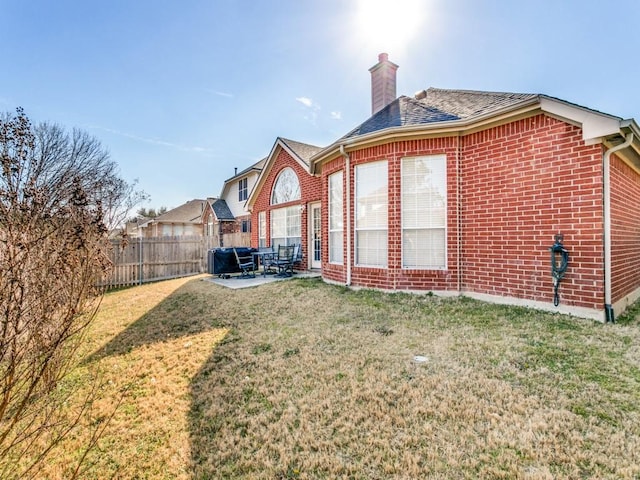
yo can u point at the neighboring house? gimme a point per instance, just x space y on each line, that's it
234 221
462 192
131 229
185 220
218 222
285 203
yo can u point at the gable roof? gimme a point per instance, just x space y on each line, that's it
221 209
300 152
190 212
256 167
303 151
442 112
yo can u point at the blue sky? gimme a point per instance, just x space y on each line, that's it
181 92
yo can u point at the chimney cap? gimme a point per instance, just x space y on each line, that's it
383 57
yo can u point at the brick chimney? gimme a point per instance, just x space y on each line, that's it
383 83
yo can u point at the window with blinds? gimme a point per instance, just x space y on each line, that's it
424 212
371 206
336 226
285 226
262 229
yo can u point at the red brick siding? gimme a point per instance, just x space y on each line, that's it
521 184
310 191
394 277
625 228
229 227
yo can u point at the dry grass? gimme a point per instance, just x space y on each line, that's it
300 379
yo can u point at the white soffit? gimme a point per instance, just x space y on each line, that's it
594 125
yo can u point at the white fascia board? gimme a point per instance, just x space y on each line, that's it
225 189
257 186
266 168
595 125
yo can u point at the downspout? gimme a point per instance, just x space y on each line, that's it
459 213
347 169
608 309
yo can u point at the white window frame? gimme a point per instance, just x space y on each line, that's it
262 229
243 189
336 221
286 188
424 212
372 229
290 230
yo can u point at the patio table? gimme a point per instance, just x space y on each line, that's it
259 258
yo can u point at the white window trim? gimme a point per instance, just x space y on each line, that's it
331 212
371 229
445 222
262 229
294 194
243 189
287 225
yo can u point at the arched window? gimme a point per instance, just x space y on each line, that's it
286 188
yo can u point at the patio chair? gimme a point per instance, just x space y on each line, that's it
245 262
297 256
283 262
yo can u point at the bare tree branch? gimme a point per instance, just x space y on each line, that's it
59 195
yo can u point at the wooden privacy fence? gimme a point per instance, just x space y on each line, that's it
141 260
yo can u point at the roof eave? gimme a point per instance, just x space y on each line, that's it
282 144
595 125
244 173
630 126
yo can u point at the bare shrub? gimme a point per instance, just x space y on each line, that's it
59 193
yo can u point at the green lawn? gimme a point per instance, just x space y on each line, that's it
299 379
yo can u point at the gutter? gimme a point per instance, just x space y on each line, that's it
606 160
347 168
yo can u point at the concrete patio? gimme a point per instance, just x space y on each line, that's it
236 281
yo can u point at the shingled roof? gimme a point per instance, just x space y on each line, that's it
190 212
437 105
222 210
303 150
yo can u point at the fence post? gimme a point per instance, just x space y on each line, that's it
140 260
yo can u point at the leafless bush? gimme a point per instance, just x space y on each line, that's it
59 194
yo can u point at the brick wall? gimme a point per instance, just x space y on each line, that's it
521 184
394 277
512 188
625 227
310 191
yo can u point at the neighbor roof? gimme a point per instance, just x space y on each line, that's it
437 105
256 167
190 212
222 210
